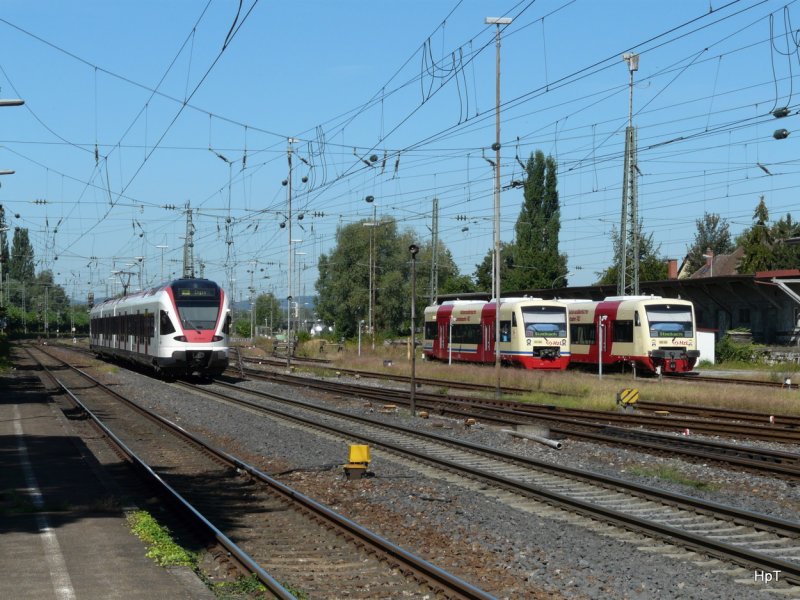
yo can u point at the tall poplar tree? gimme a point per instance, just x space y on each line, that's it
20 264
757 242
536 260
4 255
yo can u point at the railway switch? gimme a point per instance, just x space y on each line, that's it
358 461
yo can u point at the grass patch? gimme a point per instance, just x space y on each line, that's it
162 548
244 587
673 475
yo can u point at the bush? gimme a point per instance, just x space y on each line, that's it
728 350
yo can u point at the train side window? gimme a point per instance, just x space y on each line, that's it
582 334
636 318
165 326
467 334
623 331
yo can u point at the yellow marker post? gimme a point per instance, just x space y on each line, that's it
628 396
358 461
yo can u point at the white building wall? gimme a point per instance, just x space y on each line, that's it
705 344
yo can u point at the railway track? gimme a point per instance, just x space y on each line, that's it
749 539
790 422
276 532
608 428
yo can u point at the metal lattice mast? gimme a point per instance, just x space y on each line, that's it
635 228
435 251
188 245
628 276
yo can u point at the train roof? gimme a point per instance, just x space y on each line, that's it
183 282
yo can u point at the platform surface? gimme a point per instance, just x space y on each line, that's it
63 532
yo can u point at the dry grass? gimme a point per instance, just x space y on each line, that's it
576 388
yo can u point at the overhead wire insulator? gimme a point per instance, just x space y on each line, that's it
781 112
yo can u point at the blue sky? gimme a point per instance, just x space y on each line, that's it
133 108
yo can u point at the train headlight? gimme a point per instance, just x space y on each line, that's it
180 338
217 338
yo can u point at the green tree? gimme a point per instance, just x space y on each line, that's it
712 233
652 267
785 256
483 271
4 254
21 266
450 280
534 253
343 283
757 242
268 311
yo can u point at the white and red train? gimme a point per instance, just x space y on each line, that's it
649 333
179 328
534 333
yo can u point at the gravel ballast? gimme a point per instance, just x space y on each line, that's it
511 553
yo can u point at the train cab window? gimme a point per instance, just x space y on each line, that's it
226 327
430 330
670 320
545 321
165 326
505 331
623 331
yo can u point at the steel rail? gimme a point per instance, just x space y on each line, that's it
240 555
434 575
554 413
696 542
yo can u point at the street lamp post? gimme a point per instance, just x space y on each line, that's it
496 147
360 325
3 230
564 276
288 331
413 249
162 247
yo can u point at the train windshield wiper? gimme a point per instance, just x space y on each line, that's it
190 324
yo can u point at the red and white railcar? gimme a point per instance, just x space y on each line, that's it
533 332
179 328
647 332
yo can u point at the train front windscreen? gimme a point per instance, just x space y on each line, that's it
671 321
545 321
198 304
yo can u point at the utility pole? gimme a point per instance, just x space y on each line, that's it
289 346
188 245
628 276
434 251
496 147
